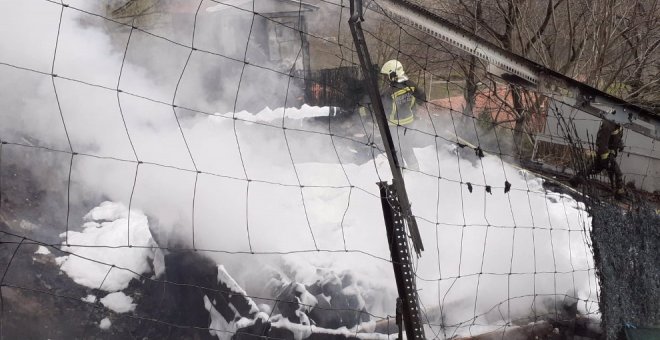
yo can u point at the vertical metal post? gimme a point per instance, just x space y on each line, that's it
405 277
379 113
429 92
394 198
307 69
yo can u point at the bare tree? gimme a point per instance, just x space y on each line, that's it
613 45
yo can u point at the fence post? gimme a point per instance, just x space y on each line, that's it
379 114
403 273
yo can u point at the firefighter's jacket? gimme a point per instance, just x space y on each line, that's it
609 139
399 101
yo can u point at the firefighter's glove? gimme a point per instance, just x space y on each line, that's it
613 154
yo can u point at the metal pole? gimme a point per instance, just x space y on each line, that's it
381 120
408 309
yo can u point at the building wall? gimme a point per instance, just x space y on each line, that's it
640 160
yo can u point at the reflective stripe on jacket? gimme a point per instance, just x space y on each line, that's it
403 103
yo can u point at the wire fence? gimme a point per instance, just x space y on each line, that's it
237 132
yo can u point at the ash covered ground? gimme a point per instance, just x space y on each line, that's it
179 294
626 244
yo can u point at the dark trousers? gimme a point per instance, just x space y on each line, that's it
610 165
613 171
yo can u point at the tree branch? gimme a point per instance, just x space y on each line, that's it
539 33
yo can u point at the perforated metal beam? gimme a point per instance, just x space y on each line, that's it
520 70
419 18
403 272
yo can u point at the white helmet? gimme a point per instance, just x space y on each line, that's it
394 71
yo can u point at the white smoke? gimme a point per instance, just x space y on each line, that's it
301 197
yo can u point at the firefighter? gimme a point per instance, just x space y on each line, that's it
401 100
609 142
